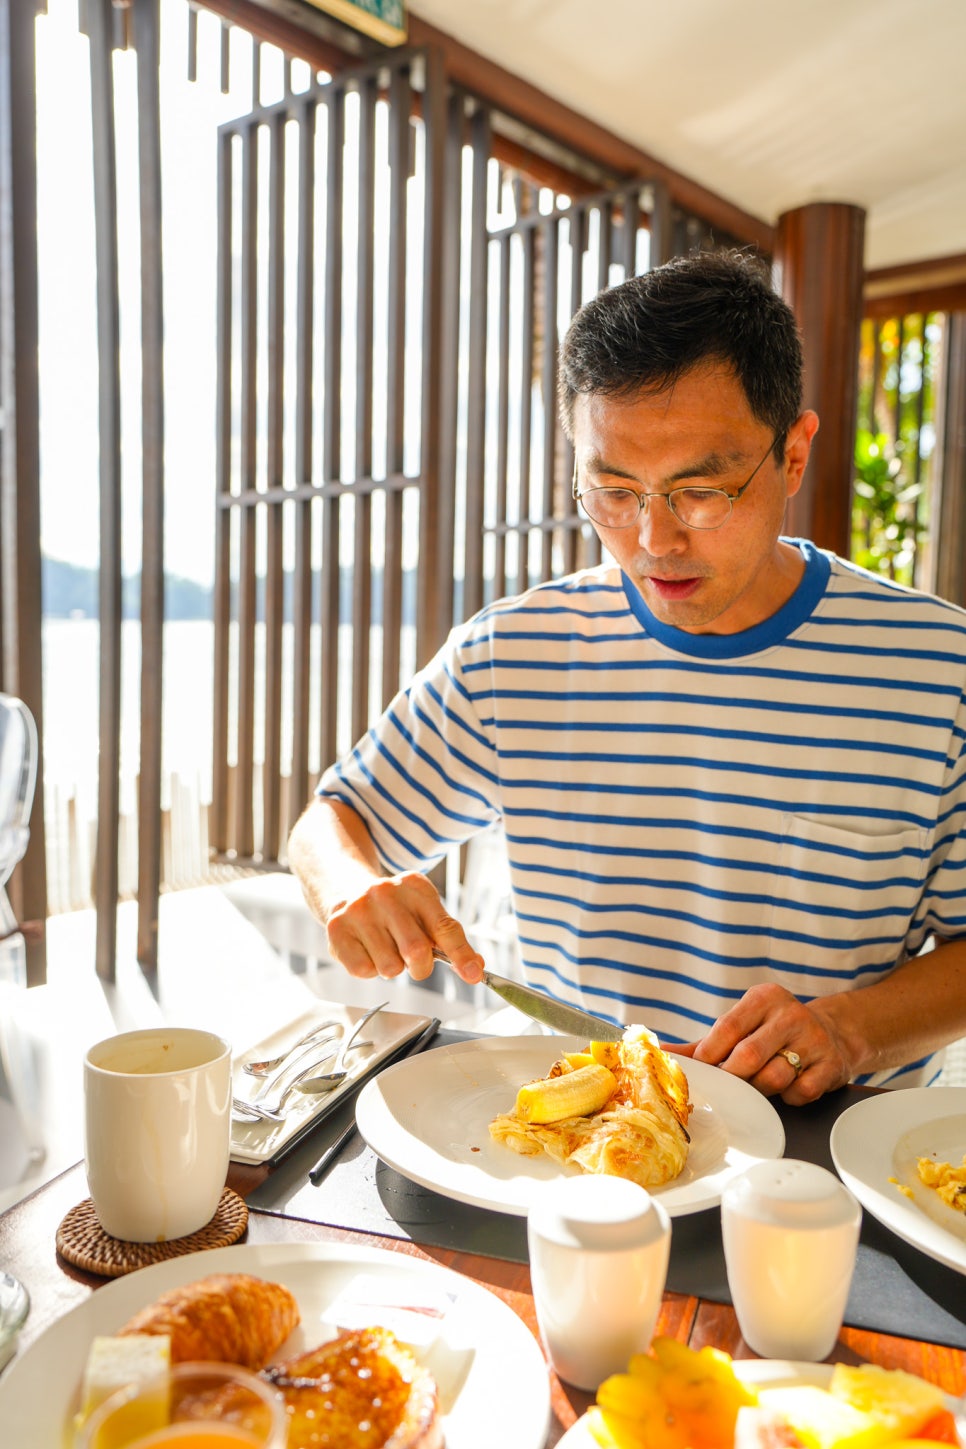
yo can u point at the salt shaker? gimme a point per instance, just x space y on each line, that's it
599 1250
790 1232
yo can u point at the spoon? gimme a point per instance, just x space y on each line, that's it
261 1069
327 1081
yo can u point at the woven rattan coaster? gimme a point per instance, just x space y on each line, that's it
83 1242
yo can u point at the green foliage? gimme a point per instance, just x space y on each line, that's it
894 444
885 523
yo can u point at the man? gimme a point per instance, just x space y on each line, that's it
730 766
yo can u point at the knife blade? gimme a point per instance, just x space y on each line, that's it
565 1019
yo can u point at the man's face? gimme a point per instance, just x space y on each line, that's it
701 432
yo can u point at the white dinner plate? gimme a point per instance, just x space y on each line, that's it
428 1117
770 1373
881 1138
493 1381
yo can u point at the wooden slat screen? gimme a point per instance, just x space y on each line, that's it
323 475
404 465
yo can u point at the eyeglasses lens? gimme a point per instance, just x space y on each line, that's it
620 507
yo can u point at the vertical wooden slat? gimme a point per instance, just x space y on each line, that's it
332 420
400 140
921 502
218 825
897 413
100 19
550 238
502 417
192 66
527 240
662 226
274 575
679 233
445 385
245 697
302 581
921 393
362 551
224 57
950 580
629 226
476 367
578 243
148 48
21 649
605 242
430 626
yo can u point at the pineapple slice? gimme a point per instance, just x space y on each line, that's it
901 1402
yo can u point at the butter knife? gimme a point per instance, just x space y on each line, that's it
543 1008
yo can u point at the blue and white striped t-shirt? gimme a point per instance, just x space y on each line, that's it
689 814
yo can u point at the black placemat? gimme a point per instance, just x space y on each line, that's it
895 1288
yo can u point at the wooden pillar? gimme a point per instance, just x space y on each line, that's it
818 269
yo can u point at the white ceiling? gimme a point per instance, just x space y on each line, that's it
769 103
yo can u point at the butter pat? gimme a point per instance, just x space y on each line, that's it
143 1359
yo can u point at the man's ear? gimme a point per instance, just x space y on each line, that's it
798 445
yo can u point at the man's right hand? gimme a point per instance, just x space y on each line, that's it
399 923
377 925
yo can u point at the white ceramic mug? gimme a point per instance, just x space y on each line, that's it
790 1231
157 1112
599 1250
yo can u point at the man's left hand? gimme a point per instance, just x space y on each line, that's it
779 1044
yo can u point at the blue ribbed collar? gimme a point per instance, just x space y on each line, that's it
765 635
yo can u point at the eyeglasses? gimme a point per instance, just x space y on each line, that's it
694 507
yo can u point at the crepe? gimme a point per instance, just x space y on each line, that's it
226 1317
641 1131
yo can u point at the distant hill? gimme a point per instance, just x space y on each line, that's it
70 592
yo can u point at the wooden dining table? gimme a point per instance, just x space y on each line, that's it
27 1249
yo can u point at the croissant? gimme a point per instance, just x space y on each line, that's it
227 1317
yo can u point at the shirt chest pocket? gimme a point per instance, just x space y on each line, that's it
844 898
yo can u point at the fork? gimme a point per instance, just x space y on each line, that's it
241 1108
328 1080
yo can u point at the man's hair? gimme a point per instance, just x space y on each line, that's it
713 306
